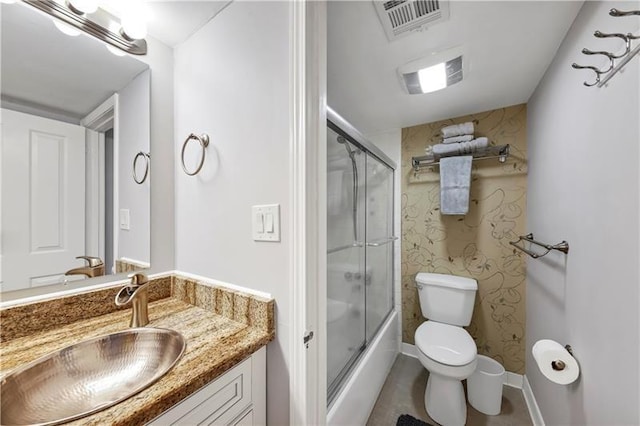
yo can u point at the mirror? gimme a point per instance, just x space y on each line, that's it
74 118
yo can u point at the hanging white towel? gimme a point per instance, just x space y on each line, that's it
457 139
457 130
455 183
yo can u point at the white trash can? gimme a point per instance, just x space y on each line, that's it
484 386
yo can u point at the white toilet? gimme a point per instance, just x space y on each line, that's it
445 349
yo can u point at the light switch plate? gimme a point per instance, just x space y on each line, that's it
265 221
124 219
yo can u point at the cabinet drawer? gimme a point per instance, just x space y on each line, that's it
212 403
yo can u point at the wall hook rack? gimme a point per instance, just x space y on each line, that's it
562 246
616 62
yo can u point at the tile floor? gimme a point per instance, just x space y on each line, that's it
403 393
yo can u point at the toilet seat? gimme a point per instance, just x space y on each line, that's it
447 344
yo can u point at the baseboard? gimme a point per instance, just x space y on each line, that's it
409 350
532 405
513 379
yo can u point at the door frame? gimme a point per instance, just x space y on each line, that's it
308 228
97 122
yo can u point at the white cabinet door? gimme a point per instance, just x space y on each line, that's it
43 193
237 398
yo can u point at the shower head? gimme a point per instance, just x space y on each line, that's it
347 145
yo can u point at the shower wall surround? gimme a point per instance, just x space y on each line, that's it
475 245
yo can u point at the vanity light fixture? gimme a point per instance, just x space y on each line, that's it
81 7
433 73
99 23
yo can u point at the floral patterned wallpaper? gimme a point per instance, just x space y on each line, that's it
475 245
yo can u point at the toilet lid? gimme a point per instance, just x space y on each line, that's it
446 344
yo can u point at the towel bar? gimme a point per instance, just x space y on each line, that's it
501 152
562 246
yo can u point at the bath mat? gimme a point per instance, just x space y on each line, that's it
407 420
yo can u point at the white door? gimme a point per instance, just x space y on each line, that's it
43 193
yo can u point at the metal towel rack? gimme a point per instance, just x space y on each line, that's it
501 152
147 160
204 143
623 58
562 246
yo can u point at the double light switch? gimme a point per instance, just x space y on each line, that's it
266 222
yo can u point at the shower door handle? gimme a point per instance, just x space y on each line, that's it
378 243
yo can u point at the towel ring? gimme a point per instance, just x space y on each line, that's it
147 157
204 142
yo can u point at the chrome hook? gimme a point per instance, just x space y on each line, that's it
624 37
594 69
617 13
607 54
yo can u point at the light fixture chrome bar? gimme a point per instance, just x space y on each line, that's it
98 26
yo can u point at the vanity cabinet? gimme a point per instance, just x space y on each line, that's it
237 398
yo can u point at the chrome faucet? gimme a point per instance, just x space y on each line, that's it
136 293
94 267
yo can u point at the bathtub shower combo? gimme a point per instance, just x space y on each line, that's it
361 321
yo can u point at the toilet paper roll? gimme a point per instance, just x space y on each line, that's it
555 362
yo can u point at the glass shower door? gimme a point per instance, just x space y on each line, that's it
379 244
346 169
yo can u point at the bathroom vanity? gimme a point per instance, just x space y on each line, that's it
220 378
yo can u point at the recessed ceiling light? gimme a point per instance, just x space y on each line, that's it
435 77
434 72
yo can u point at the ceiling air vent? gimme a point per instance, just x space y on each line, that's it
401 17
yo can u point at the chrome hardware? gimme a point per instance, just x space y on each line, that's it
98 24
381 242
562 246
501 152
615 12
308 336
94 267
624 57
204 143
136 293
147 158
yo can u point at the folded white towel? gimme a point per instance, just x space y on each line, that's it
457 130
455 183
458 139
462 148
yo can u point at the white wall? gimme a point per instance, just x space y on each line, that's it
232 82
133 137
160 60
584 187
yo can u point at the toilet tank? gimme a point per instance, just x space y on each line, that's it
447 299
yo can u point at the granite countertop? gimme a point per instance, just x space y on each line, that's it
217 339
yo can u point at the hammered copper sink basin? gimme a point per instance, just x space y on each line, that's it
89 376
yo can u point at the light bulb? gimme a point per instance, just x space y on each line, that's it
134 26
84 6
66 29
115 50
433 78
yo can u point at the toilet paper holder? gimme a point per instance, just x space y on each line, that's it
558 364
